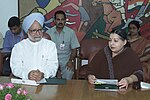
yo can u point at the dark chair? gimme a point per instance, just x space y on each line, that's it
88 49
1 63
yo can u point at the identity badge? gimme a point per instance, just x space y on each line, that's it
62 46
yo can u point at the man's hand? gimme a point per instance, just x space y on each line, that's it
70 65
32 75
35 75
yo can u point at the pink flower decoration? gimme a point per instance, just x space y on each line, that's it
19 91
11 91
25 92
9 85
8 97
1 87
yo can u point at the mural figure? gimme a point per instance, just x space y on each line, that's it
45 6
84 17
112 17
48 5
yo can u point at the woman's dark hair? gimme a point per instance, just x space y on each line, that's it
136 23
13 21
122 33
59 12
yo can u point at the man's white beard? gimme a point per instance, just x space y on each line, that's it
36 39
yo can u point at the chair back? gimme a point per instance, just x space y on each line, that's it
88 49
1 63
46 36
88 46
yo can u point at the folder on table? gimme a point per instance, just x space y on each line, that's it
106 85
54 81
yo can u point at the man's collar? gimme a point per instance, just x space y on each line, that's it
21 34
63 30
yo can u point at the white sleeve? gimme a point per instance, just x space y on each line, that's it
51 63
17 64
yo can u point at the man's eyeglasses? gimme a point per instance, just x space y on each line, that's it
35 31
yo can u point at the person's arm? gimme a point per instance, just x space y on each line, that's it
135 77
51 62
6 44
146 53
73 54
71 59
74 45
145 58
123 83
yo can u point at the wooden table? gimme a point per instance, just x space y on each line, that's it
80 90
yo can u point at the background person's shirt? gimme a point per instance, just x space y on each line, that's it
10 40
66 37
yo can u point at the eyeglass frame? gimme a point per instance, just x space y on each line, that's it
35 31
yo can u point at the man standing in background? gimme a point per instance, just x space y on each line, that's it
66 44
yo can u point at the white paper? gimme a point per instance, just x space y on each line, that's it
106 81
145 85
25 82
84 62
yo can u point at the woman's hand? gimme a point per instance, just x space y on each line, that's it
91 79
123 84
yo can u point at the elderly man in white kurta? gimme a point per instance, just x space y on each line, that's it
34 58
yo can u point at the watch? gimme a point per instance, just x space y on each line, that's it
71 60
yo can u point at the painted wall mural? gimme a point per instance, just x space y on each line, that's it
92 18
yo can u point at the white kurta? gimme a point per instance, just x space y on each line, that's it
27 56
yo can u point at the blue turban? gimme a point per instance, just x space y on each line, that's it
29 20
